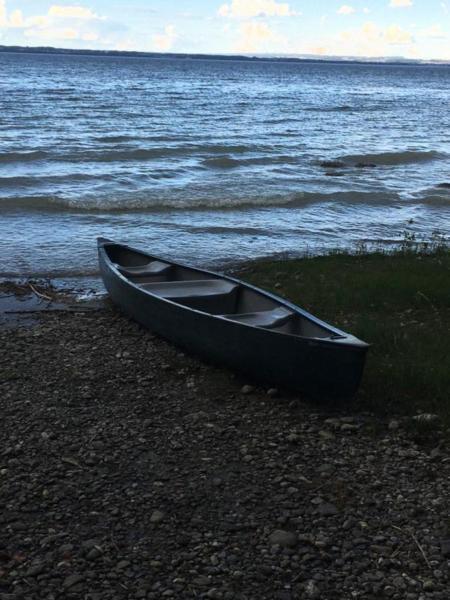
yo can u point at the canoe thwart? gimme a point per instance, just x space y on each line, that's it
155 267
213 295
264 318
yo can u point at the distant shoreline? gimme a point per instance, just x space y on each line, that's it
218 57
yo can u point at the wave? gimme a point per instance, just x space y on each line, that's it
435 196
116 139
120 154
6 157
222 162
39 181
227 162
144 202
142 154
390 158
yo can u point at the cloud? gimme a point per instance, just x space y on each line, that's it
372 40
3 14
444 7
164 41
72 12
400 3
246 9
53 33
366 10
397 36
254 37
346 10
435 32
61 23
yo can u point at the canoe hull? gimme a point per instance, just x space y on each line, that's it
317 368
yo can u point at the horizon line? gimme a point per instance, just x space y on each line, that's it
224 56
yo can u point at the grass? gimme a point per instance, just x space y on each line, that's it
397 301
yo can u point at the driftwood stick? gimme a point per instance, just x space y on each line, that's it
39 294
416 541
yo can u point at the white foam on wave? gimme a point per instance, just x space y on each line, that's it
145 202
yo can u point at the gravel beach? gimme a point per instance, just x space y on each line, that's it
129 470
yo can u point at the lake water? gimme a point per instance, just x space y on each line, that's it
215 161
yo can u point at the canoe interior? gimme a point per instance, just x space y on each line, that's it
212 294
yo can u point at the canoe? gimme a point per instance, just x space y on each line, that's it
230 323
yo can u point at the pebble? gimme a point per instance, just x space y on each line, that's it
72 580
445 548
283 538
327 510
246 390
157 516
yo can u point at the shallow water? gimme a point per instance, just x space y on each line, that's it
215 161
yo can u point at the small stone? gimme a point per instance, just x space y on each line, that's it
202 581
35 570
293 438
428 585
349 428
426 418
157 516
393 425
311 590
247 390
445 548
72 580
287 539
123 564
399 583
327 509
273 392
94 553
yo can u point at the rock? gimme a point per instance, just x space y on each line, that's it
279 537
94 553
426 418
444 185
293 438
393 425
72 580
157 516
327 509
332 164
123 564
445 548
273 392
349 428
35 570
247 390
311 590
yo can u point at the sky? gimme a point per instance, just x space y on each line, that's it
418 29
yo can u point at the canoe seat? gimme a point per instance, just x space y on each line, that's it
155 267
215 296
265 318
